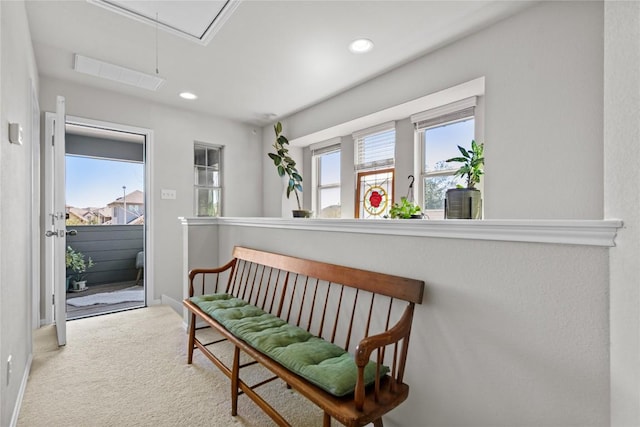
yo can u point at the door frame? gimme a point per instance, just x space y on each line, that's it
36 207
148 201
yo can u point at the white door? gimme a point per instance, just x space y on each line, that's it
55 210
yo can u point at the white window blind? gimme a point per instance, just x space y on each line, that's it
325 147
375 147
446 114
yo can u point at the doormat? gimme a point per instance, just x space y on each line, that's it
125 295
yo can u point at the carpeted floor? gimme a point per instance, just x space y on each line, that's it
129 369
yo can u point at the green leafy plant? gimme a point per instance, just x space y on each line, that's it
405 209
285 164
472 164
75 261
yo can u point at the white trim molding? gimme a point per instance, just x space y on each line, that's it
433 113
21 391
567 232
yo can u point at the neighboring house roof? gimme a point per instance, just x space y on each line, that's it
106 212
134 198
137 221
89 215
77 213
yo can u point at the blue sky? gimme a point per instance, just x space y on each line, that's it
442 142
94 182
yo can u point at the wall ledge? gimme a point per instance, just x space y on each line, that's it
567 232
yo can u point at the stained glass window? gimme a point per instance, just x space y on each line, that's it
375 193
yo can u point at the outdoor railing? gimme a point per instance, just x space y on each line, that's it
113 249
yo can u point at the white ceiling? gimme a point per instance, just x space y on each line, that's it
269 59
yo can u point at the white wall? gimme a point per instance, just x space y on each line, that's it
18 70
172 165
622 198
543 104
508 333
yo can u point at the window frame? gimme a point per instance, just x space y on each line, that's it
448 114
196 186
363 173
378 166
317 152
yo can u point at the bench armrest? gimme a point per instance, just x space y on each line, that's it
394 335
196 271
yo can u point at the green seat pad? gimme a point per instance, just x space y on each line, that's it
324 364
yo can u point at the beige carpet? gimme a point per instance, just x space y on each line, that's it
129 369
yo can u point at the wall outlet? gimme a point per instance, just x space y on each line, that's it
168 194
9 369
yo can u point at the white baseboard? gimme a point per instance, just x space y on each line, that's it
23 388
176 305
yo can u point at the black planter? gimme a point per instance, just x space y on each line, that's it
301 213
463 203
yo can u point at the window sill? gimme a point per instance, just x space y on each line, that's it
568 232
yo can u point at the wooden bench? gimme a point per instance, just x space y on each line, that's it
367 314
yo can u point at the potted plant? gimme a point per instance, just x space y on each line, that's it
287 166
405 209
75 261
466 202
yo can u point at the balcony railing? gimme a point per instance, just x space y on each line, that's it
113 249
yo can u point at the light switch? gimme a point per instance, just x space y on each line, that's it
167 194
15 133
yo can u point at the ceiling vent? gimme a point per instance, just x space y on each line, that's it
197 21
116 73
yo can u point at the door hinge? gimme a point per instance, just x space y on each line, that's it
53 299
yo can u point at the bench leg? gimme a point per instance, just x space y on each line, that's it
326 421
192 336
377 423
235 373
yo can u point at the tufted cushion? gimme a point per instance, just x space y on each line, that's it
324 364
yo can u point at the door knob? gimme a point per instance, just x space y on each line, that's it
72 232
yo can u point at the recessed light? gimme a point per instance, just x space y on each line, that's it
188 95
361 46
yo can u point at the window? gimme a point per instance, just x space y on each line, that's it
439 132
326 202
375 193
207 180
374 165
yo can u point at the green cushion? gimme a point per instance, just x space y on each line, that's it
324 364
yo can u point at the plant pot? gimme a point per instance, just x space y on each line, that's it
302 213
463 203
79 285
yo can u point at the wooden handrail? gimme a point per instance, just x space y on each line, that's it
399 331
194 272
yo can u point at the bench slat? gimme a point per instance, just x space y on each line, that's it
379 283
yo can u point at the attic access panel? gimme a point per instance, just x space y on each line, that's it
197 21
